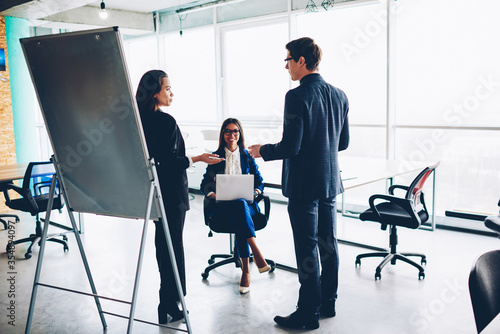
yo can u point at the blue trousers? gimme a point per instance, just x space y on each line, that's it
313 224
236 216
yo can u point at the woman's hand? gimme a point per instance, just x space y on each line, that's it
208 158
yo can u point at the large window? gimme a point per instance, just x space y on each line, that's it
141 55
190 64
447 97
254 76
353 41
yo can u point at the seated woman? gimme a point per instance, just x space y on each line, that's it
238 213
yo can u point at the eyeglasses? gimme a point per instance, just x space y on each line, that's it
287 59
228 132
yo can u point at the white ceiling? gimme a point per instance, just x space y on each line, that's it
144 6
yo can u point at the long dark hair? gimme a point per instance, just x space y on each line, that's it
149 86
241 140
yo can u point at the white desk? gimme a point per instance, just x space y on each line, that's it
357 172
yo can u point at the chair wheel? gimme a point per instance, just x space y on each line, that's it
421 275
204 275
423 262
27 256
378 276
65 238
211 261
8 249
65 248
358 262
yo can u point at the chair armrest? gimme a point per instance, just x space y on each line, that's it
404 203
267 204
25 193
37 187
397 186
208 204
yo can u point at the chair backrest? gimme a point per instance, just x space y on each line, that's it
484 288
210 140
414 191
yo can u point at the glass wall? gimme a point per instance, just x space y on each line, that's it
441 58
448 96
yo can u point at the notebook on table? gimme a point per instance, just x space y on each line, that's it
229 187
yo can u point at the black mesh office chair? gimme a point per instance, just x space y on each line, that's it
259 220
34 201
493 222
409 212
484 288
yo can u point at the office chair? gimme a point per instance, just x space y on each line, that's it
259 220
210 140
409 212
493 222
484 288
34 201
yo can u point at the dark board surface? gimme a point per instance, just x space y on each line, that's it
91 117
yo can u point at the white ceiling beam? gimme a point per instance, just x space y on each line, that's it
37 9
89 15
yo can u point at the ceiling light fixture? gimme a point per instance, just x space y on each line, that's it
103 14
327 4
311 7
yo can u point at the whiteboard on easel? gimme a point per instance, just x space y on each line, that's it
90 113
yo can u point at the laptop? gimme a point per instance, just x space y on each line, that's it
229 187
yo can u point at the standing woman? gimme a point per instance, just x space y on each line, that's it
166 145
237 213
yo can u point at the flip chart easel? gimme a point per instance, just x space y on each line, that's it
100 154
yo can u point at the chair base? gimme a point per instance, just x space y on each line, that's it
392 257
228 258
36 238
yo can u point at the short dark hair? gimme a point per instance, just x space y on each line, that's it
241 140
307 48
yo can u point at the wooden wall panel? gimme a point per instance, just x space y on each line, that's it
7 142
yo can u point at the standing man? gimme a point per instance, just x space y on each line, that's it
315 128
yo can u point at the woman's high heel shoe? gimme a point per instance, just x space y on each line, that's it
265 269
244 289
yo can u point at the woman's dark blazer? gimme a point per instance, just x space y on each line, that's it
166 146
248 166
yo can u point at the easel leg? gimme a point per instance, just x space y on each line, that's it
40 256
139 261
41 253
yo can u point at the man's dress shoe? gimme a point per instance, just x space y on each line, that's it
297 321
327 310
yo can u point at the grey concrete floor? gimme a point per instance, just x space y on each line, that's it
399 303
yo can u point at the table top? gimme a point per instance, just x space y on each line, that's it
13 172
356 171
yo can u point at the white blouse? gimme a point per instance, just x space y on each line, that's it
233 161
